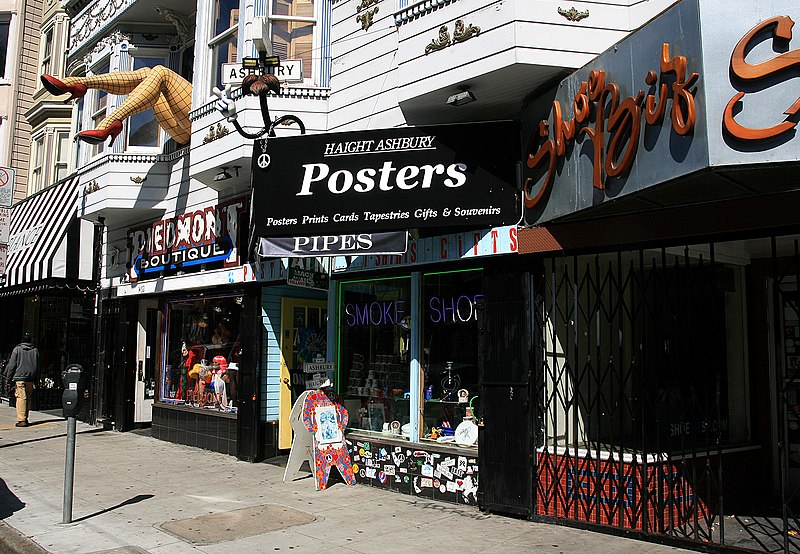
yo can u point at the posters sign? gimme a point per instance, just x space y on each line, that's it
388 180
6 187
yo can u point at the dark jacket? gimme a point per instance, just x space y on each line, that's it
23 365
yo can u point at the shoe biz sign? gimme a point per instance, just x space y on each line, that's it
355 183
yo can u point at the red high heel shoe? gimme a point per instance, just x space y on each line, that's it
57 88
96 136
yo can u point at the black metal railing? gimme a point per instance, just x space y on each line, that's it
663 404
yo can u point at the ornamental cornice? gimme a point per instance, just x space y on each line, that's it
418 9
286 92
93 19
133 158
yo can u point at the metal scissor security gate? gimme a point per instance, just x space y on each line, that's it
641 383
785 312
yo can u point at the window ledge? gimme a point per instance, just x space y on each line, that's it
4 82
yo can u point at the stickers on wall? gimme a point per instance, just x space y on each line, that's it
428 473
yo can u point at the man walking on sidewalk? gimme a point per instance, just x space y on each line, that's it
22 367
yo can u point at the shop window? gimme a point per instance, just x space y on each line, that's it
100 109
143 129
5 24
61 164
292 27
37 165
450 350
643 351
47 53
374 342
224 44
202 353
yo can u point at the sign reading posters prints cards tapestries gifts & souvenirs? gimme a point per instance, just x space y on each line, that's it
390 179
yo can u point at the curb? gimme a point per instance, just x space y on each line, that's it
14 542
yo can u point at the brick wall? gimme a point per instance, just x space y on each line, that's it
24 85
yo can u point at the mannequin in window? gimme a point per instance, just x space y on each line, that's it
222 334
165 92
187 359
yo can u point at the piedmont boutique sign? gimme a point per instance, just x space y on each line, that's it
387 180
201 236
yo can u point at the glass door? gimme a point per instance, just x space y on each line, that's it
148 341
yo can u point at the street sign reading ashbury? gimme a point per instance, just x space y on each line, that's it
290 71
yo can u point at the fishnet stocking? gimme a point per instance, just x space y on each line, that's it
165 92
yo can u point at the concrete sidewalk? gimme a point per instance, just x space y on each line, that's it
134 493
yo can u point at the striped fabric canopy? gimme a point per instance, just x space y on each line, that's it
37 246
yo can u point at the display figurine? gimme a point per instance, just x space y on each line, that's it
327 454
158 88
218 383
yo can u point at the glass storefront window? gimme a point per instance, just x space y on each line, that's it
374 344
450 350
202 353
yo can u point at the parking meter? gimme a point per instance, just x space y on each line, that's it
74 378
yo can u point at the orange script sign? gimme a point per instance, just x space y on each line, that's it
602 100
781 29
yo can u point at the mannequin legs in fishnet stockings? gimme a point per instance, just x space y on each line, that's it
165 92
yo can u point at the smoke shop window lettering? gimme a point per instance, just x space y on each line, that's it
374 338
449 351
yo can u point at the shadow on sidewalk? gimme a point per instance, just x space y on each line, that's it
9 503
35 423
135 500
62 435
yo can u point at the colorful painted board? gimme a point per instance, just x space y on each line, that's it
327 420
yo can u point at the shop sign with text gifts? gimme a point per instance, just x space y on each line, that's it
392 179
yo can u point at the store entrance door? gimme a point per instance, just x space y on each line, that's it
303 339
505 446
148 341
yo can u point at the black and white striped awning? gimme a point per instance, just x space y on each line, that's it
46 239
